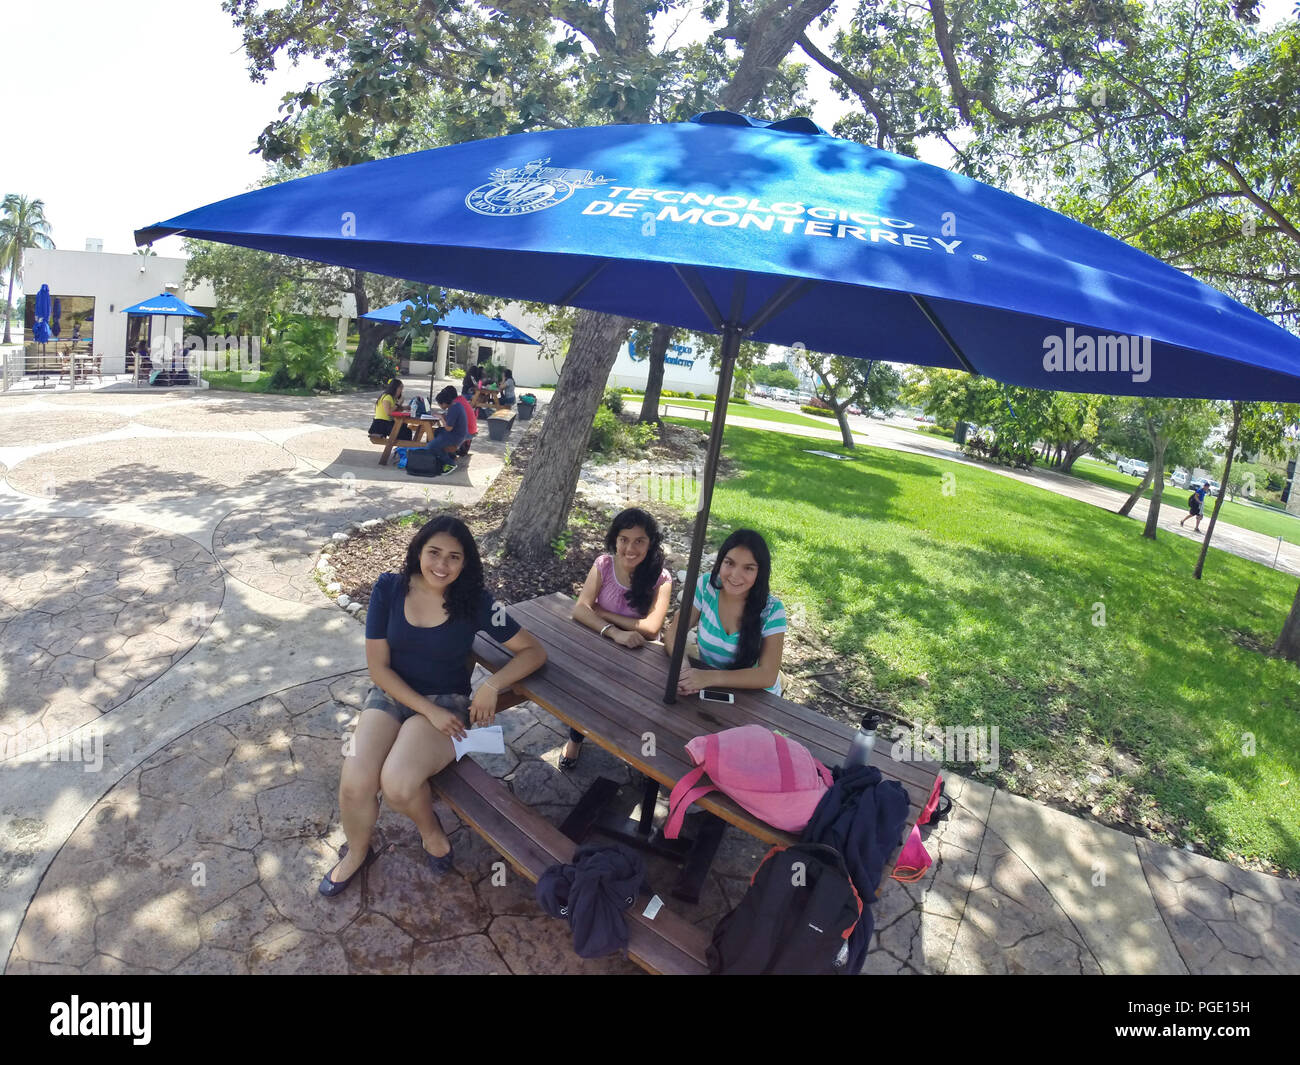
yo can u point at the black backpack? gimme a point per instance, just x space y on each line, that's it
795 918
1193 501
422 463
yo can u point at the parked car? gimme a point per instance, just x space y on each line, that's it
1214 488
1179 479
1133 467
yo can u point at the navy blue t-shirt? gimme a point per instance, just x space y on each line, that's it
457 425
431 660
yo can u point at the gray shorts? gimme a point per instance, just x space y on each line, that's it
378 699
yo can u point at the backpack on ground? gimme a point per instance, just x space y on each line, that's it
423 463
795 919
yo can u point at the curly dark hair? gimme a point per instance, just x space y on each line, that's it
463 596
751 621
640 597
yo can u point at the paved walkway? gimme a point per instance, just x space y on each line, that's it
177 691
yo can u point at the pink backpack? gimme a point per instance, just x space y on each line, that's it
774 778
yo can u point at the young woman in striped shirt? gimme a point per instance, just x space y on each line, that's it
741 625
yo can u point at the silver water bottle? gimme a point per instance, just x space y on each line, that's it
864 742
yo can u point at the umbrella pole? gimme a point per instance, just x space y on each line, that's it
730 349
433 364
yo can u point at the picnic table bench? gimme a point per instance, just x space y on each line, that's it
614 697
664 408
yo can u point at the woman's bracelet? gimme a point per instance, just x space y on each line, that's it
489 684
607 627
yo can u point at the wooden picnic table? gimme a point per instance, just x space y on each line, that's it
421 431
613 696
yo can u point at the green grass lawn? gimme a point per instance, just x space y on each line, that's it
1256 519
742 410
981 607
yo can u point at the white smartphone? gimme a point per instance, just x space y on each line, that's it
716 695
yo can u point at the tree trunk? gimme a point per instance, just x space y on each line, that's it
1137 494
660 338
1075 451
842 417
9 304
541 507
371 333
1156 472
1288 641
1237 411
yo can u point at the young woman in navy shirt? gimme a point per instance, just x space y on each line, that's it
420 629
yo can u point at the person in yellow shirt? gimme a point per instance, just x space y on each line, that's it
389 401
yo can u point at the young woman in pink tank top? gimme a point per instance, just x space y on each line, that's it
627 593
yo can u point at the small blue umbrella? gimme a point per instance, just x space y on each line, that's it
163 305
41 313
460 322
54 320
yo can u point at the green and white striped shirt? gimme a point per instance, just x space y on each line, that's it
717 646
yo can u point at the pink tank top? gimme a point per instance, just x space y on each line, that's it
613 596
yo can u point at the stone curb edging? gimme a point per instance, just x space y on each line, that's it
325 573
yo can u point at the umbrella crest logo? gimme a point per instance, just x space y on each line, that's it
528 188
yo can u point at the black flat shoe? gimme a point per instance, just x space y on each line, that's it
440 866
329 888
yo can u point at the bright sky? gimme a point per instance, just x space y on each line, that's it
148 111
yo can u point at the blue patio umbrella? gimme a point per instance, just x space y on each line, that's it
54 318
775 232
164 305
41 317
460 322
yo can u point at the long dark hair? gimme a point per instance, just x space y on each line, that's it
751 621
466 591
645 578
391 388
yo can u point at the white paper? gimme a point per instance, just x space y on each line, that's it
486 740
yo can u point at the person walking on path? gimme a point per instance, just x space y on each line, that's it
1196 504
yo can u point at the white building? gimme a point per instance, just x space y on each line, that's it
94 288
686 368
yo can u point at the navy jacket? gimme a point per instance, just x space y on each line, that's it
591 894
863 818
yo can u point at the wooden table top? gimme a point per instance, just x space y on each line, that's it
614 696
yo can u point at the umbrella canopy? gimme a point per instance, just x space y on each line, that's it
163 305
515 335
781 233
889 257
54 318
41 315
462 323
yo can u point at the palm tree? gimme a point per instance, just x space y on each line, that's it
22 225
